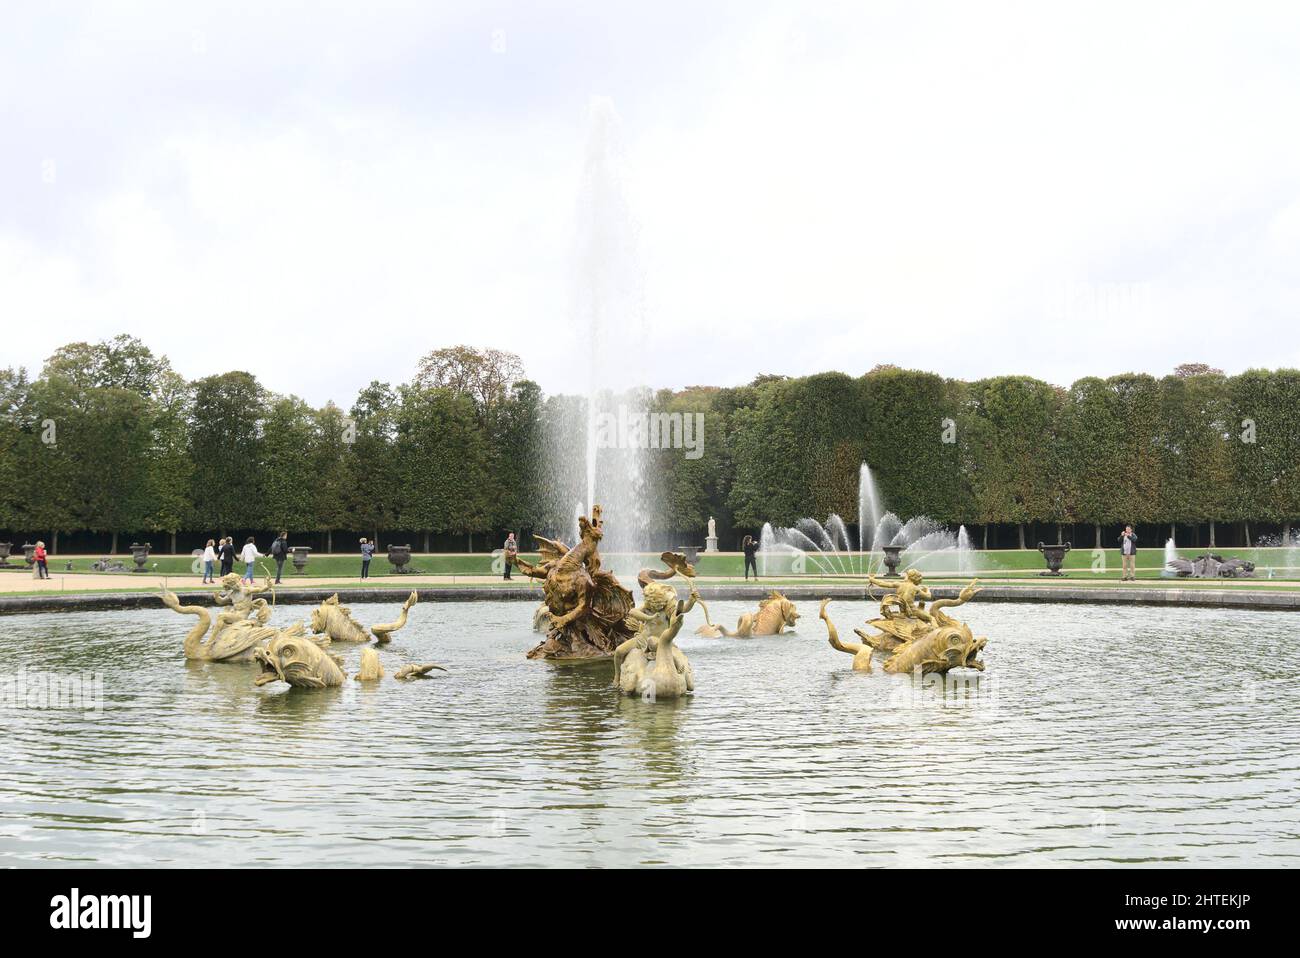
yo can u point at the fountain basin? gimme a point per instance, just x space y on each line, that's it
536 772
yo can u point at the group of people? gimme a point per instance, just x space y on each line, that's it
224 552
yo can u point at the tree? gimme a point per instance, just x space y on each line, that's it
289 479
330 470
440 463
517 456
94 475
17 455
912 440
226 485
170 468
1196 463
485 376
122 362
1011 451
372 490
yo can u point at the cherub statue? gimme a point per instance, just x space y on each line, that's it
659 605
908 598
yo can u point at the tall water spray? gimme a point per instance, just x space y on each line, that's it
609 312
868 508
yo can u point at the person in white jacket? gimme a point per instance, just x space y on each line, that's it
209 560
249 555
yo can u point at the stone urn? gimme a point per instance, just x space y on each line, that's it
891 560
299 555
140 553
1055 555
692 553
5 549
29 549
399 557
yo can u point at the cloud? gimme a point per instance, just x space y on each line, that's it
973 189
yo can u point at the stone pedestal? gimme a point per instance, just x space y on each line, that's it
711 544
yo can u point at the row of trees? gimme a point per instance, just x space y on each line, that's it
109 438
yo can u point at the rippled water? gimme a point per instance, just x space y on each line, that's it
1097 736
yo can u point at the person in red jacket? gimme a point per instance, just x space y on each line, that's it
39 558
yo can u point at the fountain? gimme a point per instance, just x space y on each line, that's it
1171 557
884 541
1210 565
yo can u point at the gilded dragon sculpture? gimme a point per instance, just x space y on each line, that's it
586 605
912 637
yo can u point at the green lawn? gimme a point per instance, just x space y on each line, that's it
1005 562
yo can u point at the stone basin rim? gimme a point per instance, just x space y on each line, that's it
1086 595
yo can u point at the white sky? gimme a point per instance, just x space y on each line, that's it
320 193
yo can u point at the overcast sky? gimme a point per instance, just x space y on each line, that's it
320 193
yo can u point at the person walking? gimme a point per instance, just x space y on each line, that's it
227 553
1128 547
750 548
279 551
39 563
511 549
209 560
367 553
249 555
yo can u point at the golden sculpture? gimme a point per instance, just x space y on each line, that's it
416 671
860 651
666 674
659 604
588 607
372 670
774 615
298 661
912 637
235 635
908 598
384 633
336 621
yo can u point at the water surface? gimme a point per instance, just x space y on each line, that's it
1097 736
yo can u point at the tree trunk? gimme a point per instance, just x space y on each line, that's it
1020 533
329 540
1286 534
1172 533
986 537
54 541
1059 539
173 542
1245 526
470 537
112 549
426 541
1211 533
1097 530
